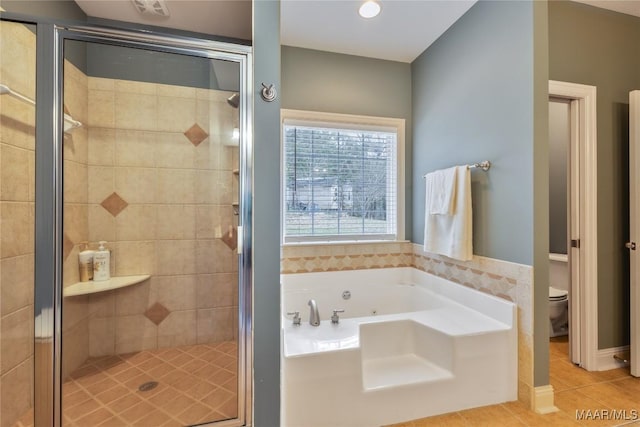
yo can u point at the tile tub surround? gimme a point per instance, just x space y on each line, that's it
506 280
427 339
160 189
308 258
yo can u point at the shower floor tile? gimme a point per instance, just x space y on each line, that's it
196 384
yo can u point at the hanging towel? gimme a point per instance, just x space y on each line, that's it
451 235
441 191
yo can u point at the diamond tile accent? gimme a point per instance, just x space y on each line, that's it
114 204
231 238
157 313
196 134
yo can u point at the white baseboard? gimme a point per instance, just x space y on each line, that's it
542 400
605 360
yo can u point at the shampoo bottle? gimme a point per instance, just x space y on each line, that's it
85 261
101 263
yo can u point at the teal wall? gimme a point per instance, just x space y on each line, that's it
598 47
336 83
473 101
266 218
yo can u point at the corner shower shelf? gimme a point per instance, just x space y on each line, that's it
91 287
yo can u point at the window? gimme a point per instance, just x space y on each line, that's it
341 177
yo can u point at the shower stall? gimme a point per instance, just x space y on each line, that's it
141 140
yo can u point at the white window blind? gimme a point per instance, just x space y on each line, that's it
340 183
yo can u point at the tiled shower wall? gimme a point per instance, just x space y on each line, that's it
506 280
17 196
160 191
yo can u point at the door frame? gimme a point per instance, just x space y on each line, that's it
634 210
583 260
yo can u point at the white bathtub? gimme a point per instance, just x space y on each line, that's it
409 345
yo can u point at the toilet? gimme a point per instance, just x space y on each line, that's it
558 295
558 312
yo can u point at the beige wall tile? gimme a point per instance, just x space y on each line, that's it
16 393
136 147
17 338
17 231
136 222
136 111
101 147
133 299
174 292
18 57
131 87
76 145
131 258
102 336
176 91
213 220
75 182
136 185
76 92
213 256
70 268
75 310
101 183
100 83
15 179
174 150
176 186
16 276
176 222
215 187
217 290
102 305
179 328
32 176
135 333
102 225
76 222
176 114
17 123
176 257
75 347
101 109
216 324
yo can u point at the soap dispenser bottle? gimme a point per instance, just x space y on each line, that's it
85 261
101 263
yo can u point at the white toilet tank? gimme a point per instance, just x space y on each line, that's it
559 271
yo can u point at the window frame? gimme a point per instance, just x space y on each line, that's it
353 122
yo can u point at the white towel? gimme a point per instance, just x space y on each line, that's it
441 191
452 235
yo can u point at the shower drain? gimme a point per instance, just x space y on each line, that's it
148 386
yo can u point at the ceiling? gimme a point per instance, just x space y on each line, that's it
228 18
402 31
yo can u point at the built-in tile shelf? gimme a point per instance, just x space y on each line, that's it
91 287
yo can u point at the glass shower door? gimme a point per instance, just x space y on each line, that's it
151 166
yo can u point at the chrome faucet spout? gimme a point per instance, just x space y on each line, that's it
314 317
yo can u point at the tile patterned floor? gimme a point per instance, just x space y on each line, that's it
575 389
196 384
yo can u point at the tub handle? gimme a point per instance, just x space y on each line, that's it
296 317
335 319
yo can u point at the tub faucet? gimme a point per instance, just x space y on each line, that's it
314 317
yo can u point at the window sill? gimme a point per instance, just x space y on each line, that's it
345 242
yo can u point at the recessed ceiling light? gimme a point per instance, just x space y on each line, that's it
369 9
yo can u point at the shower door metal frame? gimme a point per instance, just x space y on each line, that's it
49 199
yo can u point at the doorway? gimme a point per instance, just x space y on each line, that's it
577 104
